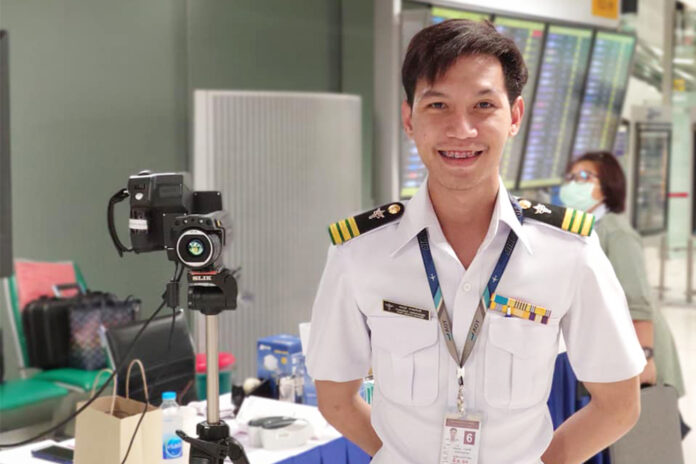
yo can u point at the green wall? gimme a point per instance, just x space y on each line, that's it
98 91
101 89
308 45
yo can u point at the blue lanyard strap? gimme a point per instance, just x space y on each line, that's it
484 303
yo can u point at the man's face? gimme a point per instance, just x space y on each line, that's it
461 121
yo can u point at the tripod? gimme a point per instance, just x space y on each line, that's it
211 293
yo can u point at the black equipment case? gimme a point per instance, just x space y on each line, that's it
46 324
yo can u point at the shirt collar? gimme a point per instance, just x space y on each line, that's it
420 214
600 211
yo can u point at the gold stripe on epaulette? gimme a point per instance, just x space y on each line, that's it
353 226
587 228
335 235
344 231
577 222
566 219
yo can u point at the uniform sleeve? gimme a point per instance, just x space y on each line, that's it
339 338
625 254
600 338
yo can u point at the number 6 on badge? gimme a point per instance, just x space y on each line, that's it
469 438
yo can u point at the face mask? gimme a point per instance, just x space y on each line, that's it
578 195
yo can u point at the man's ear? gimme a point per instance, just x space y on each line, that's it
406 118
517 112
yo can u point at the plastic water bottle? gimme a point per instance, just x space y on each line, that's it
172 445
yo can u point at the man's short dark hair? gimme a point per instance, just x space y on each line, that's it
612 180
436 48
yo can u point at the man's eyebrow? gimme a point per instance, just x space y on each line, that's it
432 93
486 91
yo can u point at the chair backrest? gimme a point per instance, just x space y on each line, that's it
31 280
657 435
169 364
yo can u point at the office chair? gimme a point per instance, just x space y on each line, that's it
169 365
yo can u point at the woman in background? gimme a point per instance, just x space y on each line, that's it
596 183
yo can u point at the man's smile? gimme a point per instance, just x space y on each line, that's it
460 154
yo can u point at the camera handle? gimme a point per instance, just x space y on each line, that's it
116 198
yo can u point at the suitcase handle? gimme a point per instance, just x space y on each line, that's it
59 288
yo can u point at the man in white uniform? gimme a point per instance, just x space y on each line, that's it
464 261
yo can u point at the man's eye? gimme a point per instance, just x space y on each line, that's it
484 105
437 105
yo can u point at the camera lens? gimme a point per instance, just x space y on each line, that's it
197 249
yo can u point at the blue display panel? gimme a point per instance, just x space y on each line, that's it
556 104
605 90
529 37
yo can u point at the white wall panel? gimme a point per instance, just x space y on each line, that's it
287 164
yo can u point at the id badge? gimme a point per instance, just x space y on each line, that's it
461 438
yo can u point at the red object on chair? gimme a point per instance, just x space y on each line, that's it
36 279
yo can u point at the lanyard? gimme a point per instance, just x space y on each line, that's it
484 301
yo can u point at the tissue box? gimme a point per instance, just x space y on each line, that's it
274 356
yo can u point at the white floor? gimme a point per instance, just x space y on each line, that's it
681 317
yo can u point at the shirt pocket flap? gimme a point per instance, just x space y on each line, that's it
520 337
402 335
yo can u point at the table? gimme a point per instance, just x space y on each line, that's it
329 448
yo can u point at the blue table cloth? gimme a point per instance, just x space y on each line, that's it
339 451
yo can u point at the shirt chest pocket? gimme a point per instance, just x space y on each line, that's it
519 362
406 359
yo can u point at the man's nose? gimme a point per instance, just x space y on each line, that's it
460 126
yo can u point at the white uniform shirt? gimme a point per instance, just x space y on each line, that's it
509 373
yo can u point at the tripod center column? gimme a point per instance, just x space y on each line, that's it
212 380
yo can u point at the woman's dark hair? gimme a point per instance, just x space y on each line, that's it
435 49
612 180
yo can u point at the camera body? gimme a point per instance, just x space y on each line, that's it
166 215
155 199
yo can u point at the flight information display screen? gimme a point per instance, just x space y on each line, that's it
556 103
437 15
605 90
528 36
413 171
652 177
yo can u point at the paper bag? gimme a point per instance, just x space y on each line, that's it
103 431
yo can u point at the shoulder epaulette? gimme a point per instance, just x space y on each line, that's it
349 228
568 219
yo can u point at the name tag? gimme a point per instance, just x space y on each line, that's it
403 310
461 439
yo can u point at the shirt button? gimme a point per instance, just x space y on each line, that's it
466 287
